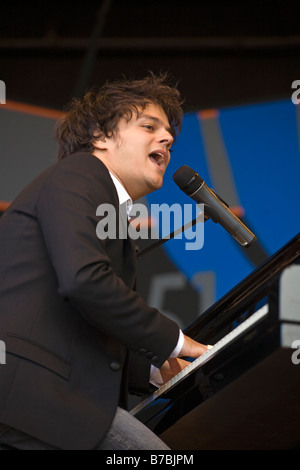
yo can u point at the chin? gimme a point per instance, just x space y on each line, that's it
157 184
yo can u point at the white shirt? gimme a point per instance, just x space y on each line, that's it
155 375
122 194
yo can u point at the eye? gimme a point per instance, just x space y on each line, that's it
148 126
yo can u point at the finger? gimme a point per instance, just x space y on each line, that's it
192 348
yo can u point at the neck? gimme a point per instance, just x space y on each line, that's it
112 170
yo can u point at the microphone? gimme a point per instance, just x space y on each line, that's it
194 186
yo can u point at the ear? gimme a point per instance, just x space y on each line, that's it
100 143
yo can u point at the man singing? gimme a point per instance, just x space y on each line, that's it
78 337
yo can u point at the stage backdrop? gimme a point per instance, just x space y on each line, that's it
248 154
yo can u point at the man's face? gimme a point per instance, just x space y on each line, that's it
139 153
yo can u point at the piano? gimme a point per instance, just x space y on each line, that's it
243 393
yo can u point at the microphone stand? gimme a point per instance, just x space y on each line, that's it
208 213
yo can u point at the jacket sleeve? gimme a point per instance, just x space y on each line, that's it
66 211
138 375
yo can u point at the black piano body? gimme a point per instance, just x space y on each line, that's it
246 393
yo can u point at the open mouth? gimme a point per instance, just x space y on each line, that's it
158 159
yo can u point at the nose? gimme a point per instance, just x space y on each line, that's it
166 138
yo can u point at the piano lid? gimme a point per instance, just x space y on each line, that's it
247 291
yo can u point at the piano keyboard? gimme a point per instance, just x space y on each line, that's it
221 344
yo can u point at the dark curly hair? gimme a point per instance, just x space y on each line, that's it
98 113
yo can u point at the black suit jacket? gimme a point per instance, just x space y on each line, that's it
68 312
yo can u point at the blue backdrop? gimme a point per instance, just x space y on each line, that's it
260 145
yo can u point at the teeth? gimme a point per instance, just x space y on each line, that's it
159 157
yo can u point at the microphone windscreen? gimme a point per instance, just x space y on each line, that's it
187 179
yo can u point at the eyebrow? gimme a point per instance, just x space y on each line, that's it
156 120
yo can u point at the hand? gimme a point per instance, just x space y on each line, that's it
192 348
172 367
